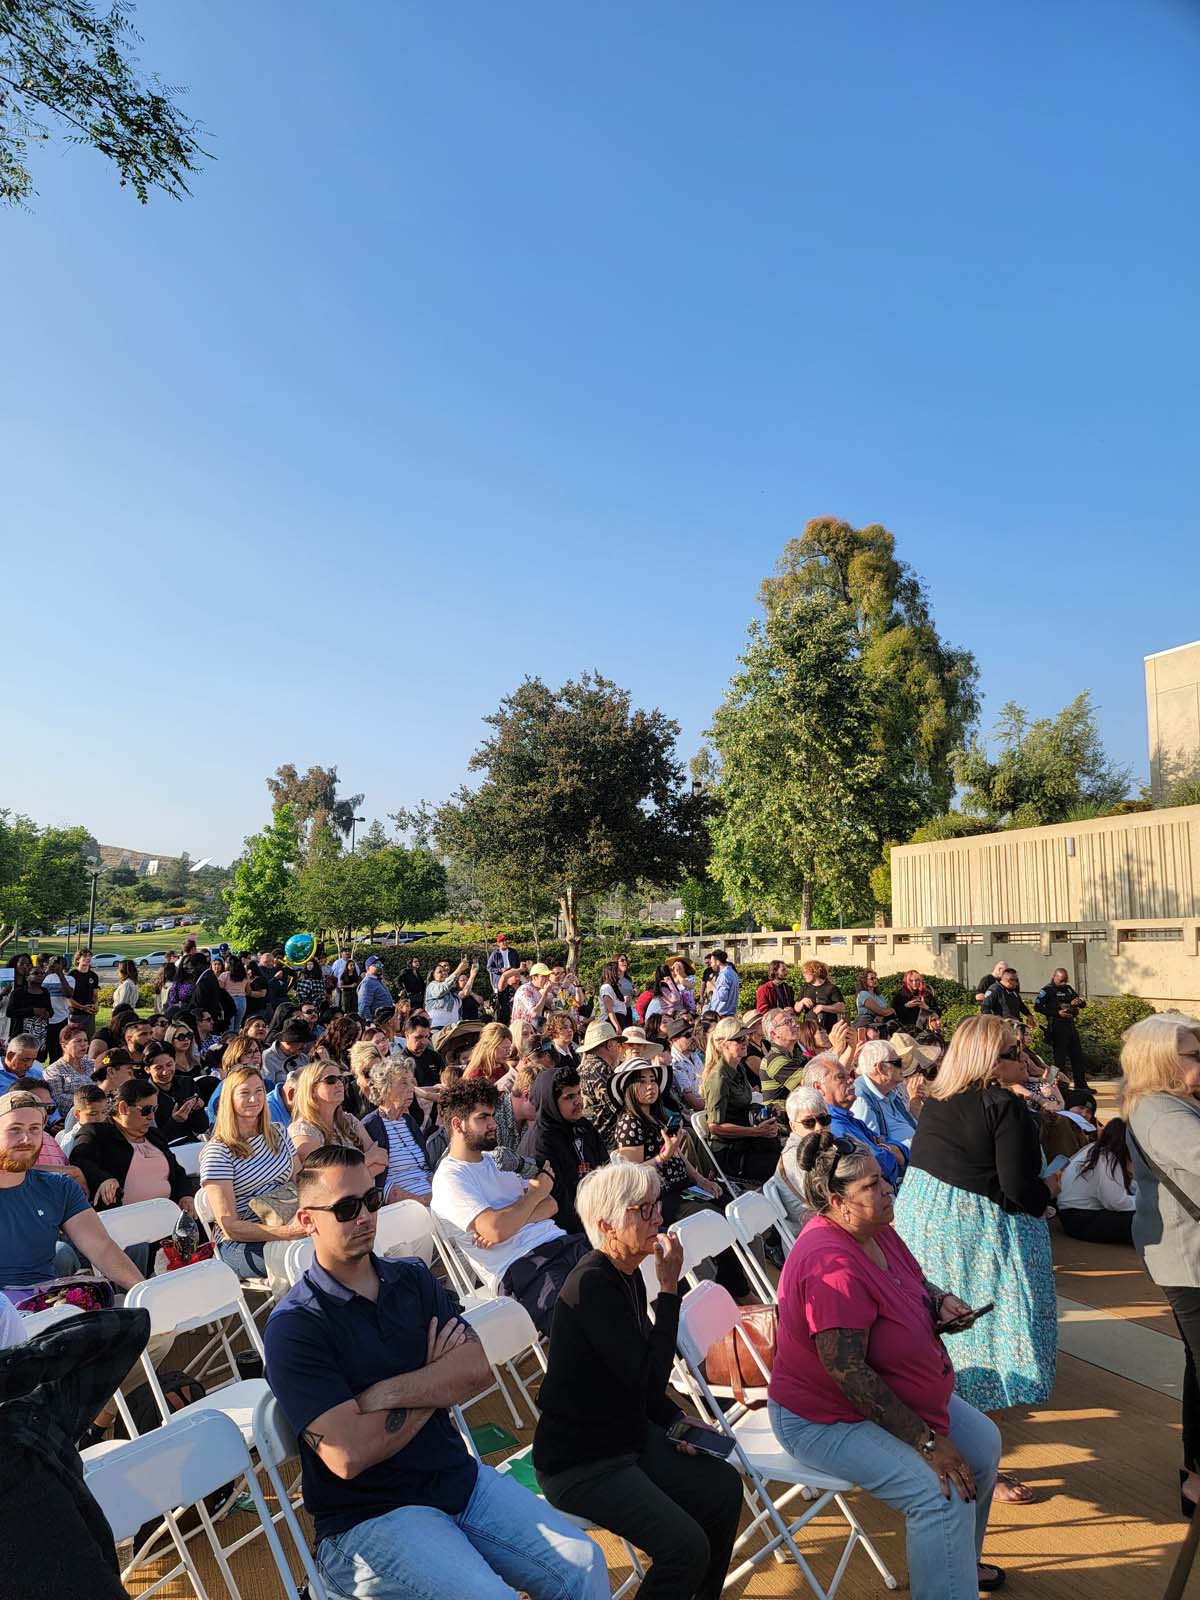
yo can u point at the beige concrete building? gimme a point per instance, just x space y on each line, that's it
1173 717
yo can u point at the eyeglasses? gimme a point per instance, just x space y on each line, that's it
143 1111
822 1121
647 1211
332 1077
348 1208
184 1036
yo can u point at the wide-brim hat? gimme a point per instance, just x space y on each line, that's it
678 1026
912 1057
599 1033
637 1036
459 1034
619 1081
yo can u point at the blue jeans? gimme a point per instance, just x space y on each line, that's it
505 1540
247 1260
945 1537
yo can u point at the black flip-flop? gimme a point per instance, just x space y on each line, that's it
994 1578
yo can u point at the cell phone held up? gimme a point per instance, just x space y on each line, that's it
967 1320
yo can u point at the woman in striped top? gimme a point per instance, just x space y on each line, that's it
247 1157
393 1130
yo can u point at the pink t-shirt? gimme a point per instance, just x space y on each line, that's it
50 1155
830 1282
149 1177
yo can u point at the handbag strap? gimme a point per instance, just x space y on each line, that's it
1172 1188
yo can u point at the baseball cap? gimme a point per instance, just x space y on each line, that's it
539 969
373 961
19 1100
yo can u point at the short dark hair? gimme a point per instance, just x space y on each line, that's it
329 1155
417 1019
565 1077
296 1033
461 1098
88 1094
720 955
133 1022
1079 1097
134 1092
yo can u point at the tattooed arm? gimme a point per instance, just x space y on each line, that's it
843 1354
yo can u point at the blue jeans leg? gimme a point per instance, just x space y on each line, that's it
506 1540
944 1535
247 1260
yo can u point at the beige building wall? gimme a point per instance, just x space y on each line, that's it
1142 866
1173 717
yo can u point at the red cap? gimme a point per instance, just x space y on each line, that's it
500 936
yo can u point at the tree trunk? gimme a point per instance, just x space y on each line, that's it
566 906
806 900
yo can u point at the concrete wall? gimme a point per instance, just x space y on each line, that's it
1173 717
1144 866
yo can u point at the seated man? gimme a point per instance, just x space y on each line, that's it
835 1083
503 1224
879 1100
36 1204
365 1356
783 1065
20 1062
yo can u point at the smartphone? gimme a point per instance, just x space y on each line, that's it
1054 1166
707 1440
961 1324
674 1122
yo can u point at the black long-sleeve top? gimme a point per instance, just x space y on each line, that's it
102 1151
609 1366
983 1141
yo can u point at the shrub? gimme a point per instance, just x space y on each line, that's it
146 996
1103 1025
953 1015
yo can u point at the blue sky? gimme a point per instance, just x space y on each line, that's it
519 339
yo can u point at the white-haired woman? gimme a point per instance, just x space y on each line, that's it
601 1448
972 1209
392 1126
806 1113
1161 1063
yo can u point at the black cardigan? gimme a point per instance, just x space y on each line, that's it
609 1367
102 1151
986 1142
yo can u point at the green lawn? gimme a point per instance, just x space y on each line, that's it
133 945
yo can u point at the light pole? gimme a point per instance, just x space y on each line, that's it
354 821
94 869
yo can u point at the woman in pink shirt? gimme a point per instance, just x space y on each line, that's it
862 1386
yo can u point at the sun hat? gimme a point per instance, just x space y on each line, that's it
619 1081
539 969
599 1033
912 1057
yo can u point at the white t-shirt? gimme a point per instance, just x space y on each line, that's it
462 1189
1101 1189
58 992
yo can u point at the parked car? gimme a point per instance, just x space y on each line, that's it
106 961
157 958
121 927
145 927
63 933
102 927
164 922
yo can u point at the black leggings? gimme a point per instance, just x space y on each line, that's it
1185 1306
1098 1227
753 1160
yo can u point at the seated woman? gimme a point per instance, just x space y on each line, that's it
873 1009
806 1114
744 1148
1098 1195
917 1006
248 1157
407 1175
862 1386
71 1071
601 1449
126 1159
319 1117
180 1116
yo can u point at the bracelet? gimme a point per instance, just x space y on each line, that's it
929 1445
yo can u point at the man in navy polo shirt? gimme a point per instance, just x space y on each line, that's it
365 1357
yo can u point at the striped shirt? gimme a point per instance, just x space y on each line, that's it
265 1169
407 1166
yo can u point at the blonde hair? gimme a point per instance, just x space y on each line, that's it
225 1128
363 1057
714 1061
484 1058
1150 1057
970 1062
305 1107
236 1050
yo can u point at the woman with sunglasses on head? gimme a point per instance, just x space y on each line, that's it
319 1117
126 1159
180 1040
248 1157
973 1210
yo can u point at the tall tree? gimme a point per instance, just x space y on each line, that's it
261 901
314 801
581 794
801 799
70 64
43 873
1051 769
924 691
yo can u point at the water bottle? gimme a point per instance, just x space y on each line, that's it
186 1237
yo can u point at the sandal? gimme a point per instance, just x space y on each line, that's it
1011 1490
990 1576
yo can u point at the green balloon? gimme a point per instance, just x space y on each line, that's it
299 949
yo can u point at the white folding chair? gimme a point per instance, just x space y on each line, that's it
750 1216
261 1286
188 1156
35 1322
706 1315
506 1331
704 1235
405 1228
152 1478
143 1222
274 1444
297 1259
787 1228
700 1130
462 1274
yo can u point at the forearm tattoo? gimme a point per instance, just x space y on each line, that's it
843 1354
395 1419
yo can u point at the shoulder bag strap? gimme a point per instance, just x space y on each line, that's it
1172 1188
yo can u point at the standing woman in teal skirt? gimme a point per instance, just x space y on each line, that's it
972 1210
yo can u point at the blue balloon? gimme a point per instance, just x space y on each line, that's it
299 949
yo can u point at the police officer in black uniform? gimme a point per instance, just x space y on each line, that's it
1060 1004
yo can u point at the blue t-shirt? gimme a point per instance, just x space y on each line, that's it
325 1344
30 1217
9 1080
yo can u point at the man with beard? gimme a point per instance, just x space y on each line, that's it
366 1356
35 1205
504 1224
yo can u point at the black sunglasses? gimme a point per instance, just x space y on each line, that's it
821 1121
335 1077
349 1206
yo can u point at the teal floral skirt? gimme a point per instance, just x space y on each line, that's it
966 1244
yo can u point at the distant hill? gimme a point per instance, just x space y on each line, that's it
115 855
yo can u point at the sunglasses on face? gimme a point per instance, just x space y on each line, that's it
821 1121
182 1038
331 1077
348 1208
144 1111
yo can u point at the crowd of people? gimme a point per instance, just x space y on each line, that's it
557 1134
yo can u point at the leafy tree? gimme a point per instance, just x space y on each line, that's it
175 879
1184 794
703 901
70 62
374 839
43 873
122 878
314 802
923 690
261 900
801 798
581 795
1046 770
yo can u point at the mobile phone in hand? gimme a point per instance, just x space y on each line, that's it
967 1320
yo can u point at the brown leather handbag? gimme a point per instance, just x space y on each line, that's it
730 1365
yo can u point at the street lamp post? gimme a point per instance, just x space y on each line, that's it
354 821
94 869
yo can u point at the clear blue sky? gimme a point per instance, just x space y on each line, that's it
518 339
